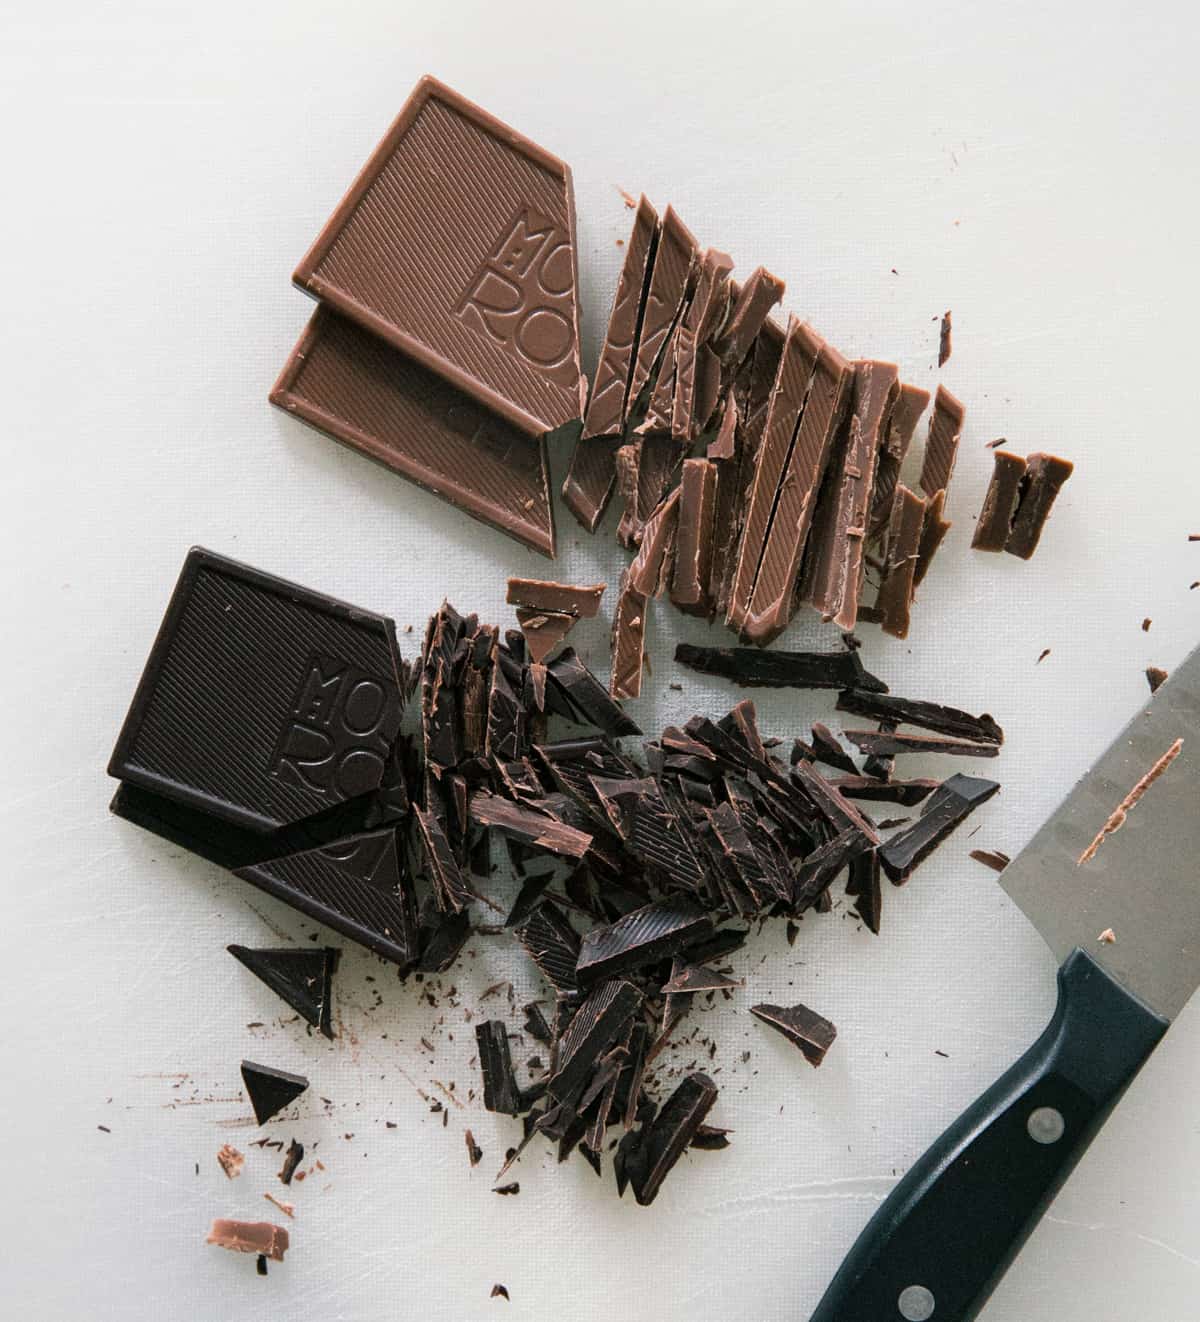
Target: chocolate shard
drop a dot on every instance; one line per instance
(355, 885)
(933, 532)
(750, 310)
(905, 792)
(999, 502)
(888, 743)
(450, 887)
(996, 859)
(443, 936)
(528, 825)
(588, 696)
(270, 1090)
(261, 1237)
(628, 462)
(628, 640)
(1043, 480)
(773, 600)
(600, 1021)
(945, 339)
(694, 537)
(650, 572)
(543, 631)
(501, 1092)
(669, 1135)
(897, 436)
(643, 937)
(660, 837)
(892, 710)
(903, 547)
(706, 309)
(828, 803)
(826, 749)
(552, 943)
(356, 389)
(834, 563)
(801, 1026)
(941, 445)
(864, 887)
(582, 602)
(291, 1161)
(591, 479)
(946, 809)
(742, 857)
(303, 978)
(292, 699)
(710, 1138)
(689, 978)
(724, 444)
(669, 275)
(456, 245)
(505, 716)
(754, 668)
(535, 1023)
(819, 870)
(1156, 677)
(608, 404)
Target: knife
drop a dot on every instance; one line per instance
(937, 1246)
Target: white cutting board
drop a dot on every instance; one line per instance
(167, 165)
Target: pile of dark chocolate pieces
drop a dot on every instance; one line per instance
(267, 735)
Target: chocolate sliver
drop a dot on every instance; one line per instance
(670, 1134)
(694, 537)
(825, 748)
(270, 1090)
(890, 709)
(601, 1020)
(888, 743)
(450, 888)
(903, 547)
(552, 943)
(893, 447)
(933, 532)
(591, 478)
(673, 260)
(650, 571)
(697, 978)
(628, 640)
(754, 668)
(261, 1237)
(905, 792)
(501, 1092)
(695, 327)
(583, 601)
(801, 1026)
(941, 445)
(588, 696)
(642, 937)
(750, 310)
(528, 826)
(544, 631)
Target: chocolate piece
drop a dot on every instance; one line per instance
(643, 937)
(673, 260)
(500, 1090)
(261, 1237)
(505, 719)
(260, 1265)
(456, 245)
(892, 710)
(474, 1151)
(608, 404)
(933, 531)
(660, 406)
(945, 339)
(552, 943)
(660, 836)
(941, 445)
(754, 302)
(754, 668)
(801, 349)
(834, 559)
(995, 859)
(801, 1026)
(347, 383)
(628, 465)
(507, 1189)
(590, 479)
(826, 801)
(710, 1138)
(270, 1090)
(602, 1019)
(667, 1138)
(694, 537)
(825, 748)
(499, 1291)
(905, 792)
(897, 437)
(291, 1160)
(1120, 814)
(561, 598)
(450, 888)
(999, 503)
(690, 978)
(262, 703)
(743, 858)
(528, 826)
(863, 886)
(696, 326)
(1156, 676)
(819, 870)
(303, 978)
(442, 940)
(588, 696)
(888, 743)
(230, 1161)
(723, 444)
(903, 547)
(1044, 478)
(650, 571)
(543, 631)
(950, 805)
(535, 1023)
(628, 640)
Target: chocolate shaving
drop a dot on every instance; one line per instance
(291, 1160)
(995, 859)
(754, 668)
(893, 710)
(1117, 817)
(888, 743)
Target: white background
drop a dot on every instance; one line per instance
(1031, 166)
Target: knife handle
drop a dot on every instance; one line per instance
(942, 1239)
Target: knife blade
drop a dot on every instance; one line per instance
(1120, 855)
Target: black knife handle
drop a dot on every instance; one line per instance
(936, 1248)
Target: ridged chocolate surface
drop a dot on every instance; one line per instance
(640, 938)
(591, 478)
(670, 1134)
(600, 1021)
(552, 944)
(668, 282)
(897, 437)
(628, 640)
(941, 445)
(694, 536)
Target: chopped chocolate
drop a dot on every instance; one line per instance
(1042, 655)
(1108, 937)
(442, 939)
(474, 1151)
(270, 1090)
(995, 859)
(260, 1265)
(903, 549)
(688, 978)
(303, 978)
(609, 400)
(1043, 480)
(501, 1093)
(552, 943)
(905, 792)
(667, 1137)
(528, 826)
(230, 1161)
(507, 1189)
(694, 537)
(945, 339)
(261, 1237)
(945, 810)
(590, 480)
(450, 888)
(602, 1020)
(941, 445)
(933, 532)
(892, 710)
(755, 668)
(628, 464)
(628, 640)
(588, 696)
(888, 743)
(560, 598)
(897, 437)
(672, 266)
(643, 937)
(999, 502)
(473, 274)
(863, 886)
(750, 310)
(710, 1138)
(825, 748)
(828, 803)
(801, 1026)
(543, 631)
(696, 386)
(650, 572)
(819, 870)
(1156, 676)
(505, 717)
(291, 1159)
(499, 1291)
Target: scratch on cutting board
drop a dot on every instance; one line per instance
(1129, 1234)
(872, 1187)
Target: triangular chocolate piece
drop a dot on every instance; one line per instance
(304, 978)
(543, 630)
(270, 1090)
(696, 978)
(801, 1026)
(456, 245)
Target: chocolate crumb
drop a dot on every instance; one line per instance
(499, 1291)
(104, 1129)
(996, 859)
(474, 1151)
(231, 1161)
(292, 1159)
(261, 1265)
(1043, 656)
(1155, 677)
(945, 345)
(1146, 624)
(997, 443)
(943, 1054)
(507, 1189)
(1108, 937)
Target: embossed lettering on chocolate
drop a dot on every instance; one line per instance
(456, 244)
